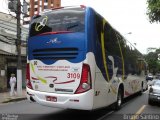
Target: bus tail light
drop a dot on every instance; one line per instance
(85, 83)
(28, 82)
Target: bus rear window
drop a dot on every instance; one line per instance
(71, 20)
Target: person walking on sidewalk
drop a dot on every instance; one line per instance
(12, 84)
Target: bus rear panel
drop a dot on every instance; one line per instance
(57, 74)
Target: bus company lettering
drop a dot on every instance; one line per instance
(53, 68)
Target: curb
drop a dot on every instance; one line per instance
(14, 100)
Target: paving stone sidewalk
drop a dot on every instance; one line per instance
(5, 97)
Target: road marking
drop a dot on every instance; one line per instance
(123, 105)
(138, 113)
(101, 118)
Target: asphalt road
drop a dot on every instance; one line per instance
(25, 110)
(135, 107)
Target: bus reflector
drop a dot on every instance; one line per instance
(28, 82)
(85, 83)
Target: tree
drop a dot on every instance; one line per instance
(153, 11)
(153, 63)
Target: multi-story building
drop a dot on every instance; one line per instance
(8, 50)
(34, 7)
(8, 31)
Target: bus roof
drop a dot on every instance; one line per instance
(65, 7)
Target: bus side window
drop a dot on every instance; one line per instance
(99, 25)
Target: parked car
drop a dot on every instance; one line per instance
(154, 92)
(149, 77)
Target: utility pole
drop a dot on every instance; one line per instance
(18, 45)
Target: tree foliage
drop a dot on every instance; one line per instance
(152, 60)
(153, 11)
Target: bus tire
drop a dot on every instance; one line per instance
(118, 103)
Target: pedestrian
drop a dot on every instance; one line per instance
(12, 84)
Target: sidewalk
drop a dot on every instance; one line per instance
(5, 97)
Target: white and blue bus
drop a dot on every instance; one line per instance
(77, 60)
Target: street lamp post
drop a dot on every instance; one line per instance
(18, 45)
(129, 33)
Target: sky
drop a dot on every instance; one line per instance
(129, 18)
(126, 16)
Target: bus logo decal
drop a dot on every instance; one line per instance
(54, 41)
(39, 26)
(51, 85)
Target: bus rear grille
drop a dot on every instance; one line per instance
(55, 53)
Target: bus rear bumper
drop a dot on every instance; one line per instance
(83, 101)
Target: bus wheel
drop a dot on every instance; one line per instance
(119, 101)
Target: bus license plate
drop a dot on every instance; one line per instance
(51, 98)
